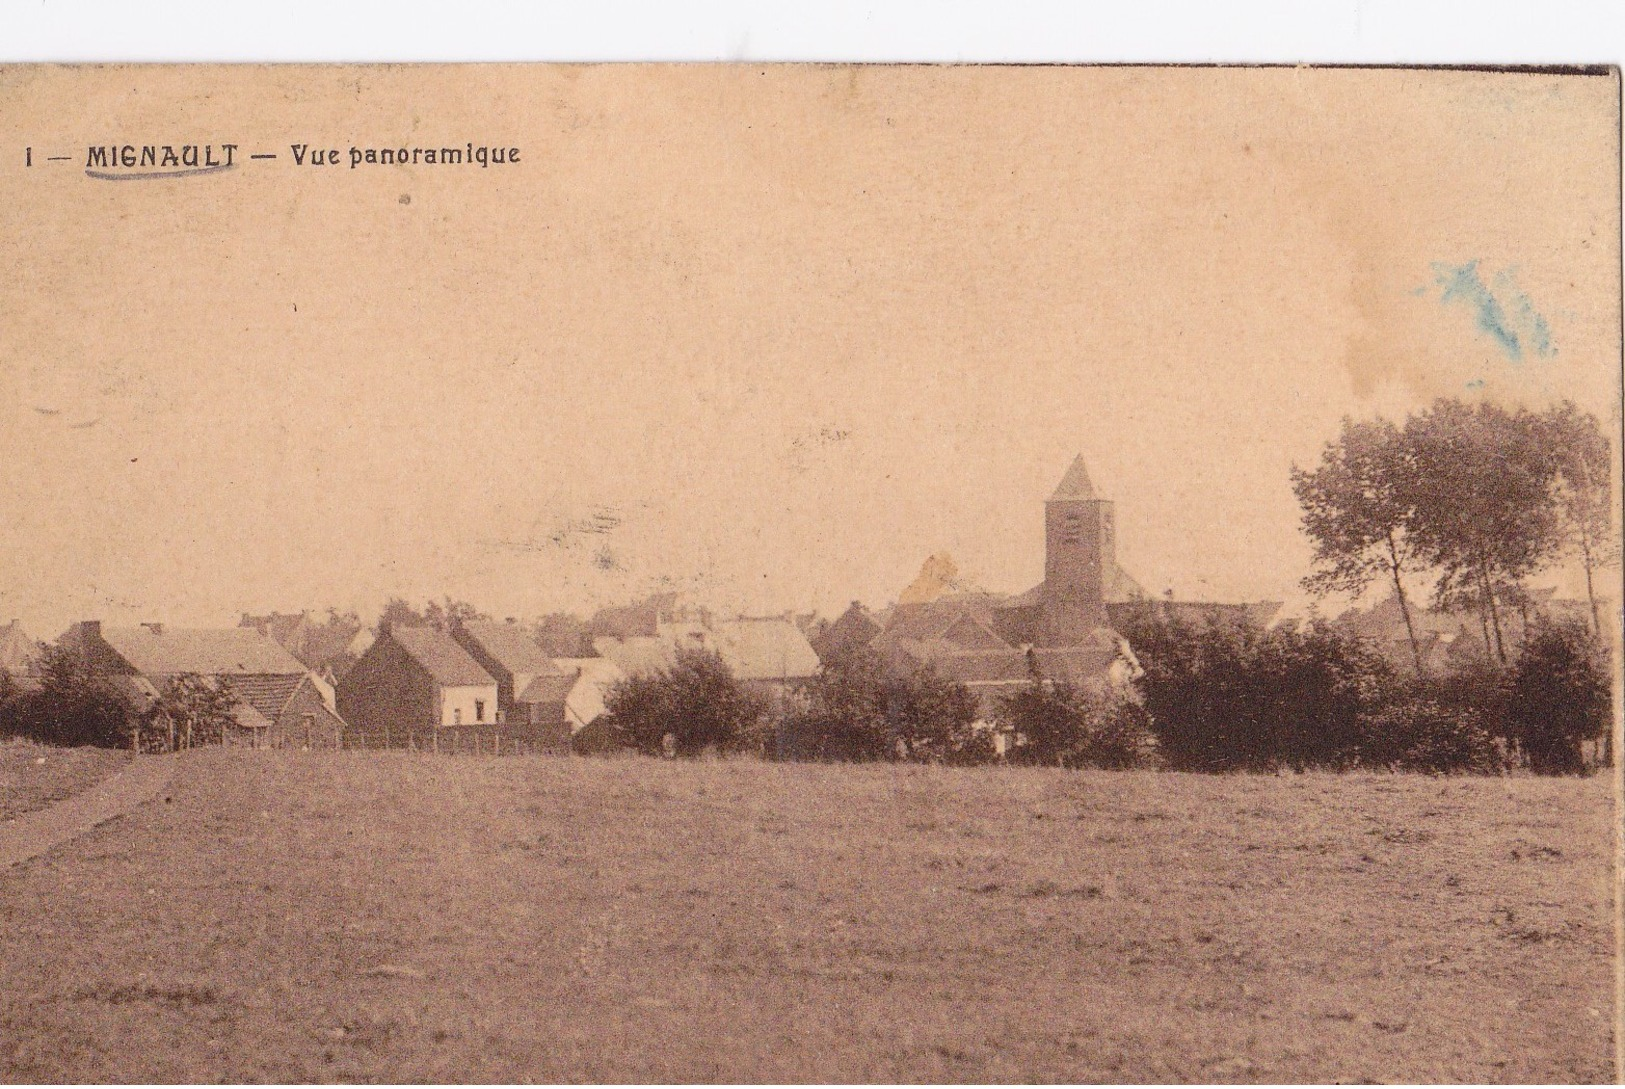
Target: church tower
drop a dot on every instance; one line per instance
(1080, 550)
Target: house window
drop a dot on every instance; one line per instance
(479, 710)
(1074, 528)
(456, 716)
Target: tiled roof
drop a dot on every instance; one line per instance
(925, 619)
(639, 619)
(852, 630)
(266, 693)
(439, 654)
(1074, 665)
(164, 651)
(511, 646)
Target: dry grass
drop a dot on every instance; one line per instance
(33, 776)
(362, 917)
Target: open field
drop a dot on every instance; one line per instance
(381, 916)
(33, 776)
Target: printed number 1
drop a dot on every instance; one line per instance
(30, 152)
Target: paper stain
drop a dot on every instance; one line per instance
(806, 448)
(1499, 309)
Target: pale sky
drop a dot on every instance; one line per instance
(773, 335)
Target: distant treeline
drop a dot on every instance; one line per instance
(1217, 695)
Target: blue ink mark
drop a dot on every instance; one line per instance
(1477, 383)
(1505, 313)
(1536, 332)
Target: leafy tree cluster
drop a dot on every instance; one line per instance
(856, 710)
(190, 711)
(1478, 497)
(70, 704)
(693, 706)
(442, 614)
(1231, 696)
(1069, 726)
(1559, 696)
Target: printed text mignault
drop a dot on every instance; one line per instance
(158, 156)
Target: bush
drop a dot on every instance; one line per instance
(695, 705)
(1414, 733)
(1066, 726)
(600, 737)
(1559, 694)
(855, 710)
(71, 705)
(1228, 695)
(933, 719)
(840, 716)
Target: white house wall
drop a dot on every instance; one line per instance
(461, 698)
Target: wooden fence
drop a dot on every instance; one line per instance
(452, 741)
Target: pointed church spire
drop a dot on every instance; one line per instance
(1075, 484)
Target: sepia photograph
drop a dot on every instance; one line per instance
(810, 573)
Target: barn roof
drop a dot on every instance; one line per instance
(548, 688)
(767, 648)
(440, 656)
(638, 654)
(159, 650)
(511, 646)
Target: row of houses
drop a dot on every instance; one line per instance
(473, 681)
(333, 683)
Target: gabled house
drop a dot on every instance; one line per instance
(531, 687)
(279, 704)
(17, 650)
(594, 677)
(291, 631)
(411, 685)
(848, 634)
(325, 648)
(769, 654)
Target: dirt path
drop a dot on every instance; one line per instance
(32, 834)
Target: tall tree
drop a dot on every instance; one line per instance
(1358, 506)
(1581, 491)
(1483, 511)
(441, 614)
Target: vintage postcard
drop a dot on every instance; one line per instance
(809, 573)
